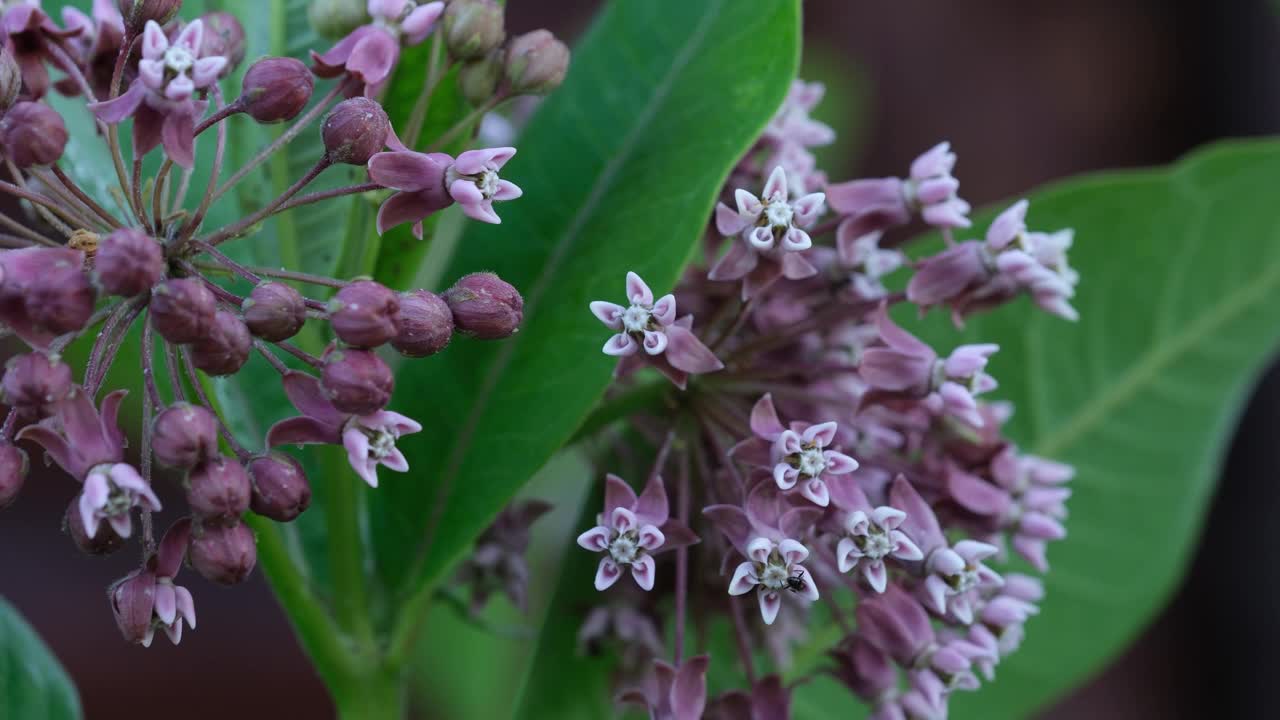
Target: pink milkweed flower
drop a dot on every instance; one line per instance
(370, 440)
(89, 445)
(473, 181)
(148, 599)
(370, 52)
(907, 365)
(771, 569)
(769, 235)
(27, 31)
(668, 343)
(419, 179)
(160, 100)
(871, 539)
(96, 45)
(796, 455)
(792, 123)
(631, 530)
(671, 693)
(881, 203)
(769, 700)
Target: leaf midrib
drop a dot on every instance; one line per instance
(534, 296)
(1161, 355)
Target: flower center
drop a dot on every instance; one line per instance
(965, 580)
(636, 318)
(875, 545)
(779, 214)
(812, 462)
(118, 501)
(625, 548)
(488, 184)
(178, 59)
(774, 575)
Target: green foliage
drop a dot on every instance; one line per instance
(33, 686)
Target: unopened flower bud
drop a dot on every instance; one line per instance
(472, 28)
(355, 130)
(128, 262)
(536, 62)
(182, 310)
(10, 80)
(35, 383)
(223, 37)
(184, 435)
(225, 349)
(61, 298)
(335, 18)
(136, 13)
(218, 490)
(104, 542)
(356, 381)
(274, 311)
(280, 488)
(365, 314)
(13, 473)
(32, 133)
(133, 602)
(276, 89)
(485, 306)
(223, 554)
(426, 324)
(478, 79)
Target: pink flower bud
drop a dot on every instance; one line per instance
(218, 490)
(223, 37)
(104, 542)
(426, 324)
(32, 134)
(35, 383)
(485, 306)
(133, 602)
(276, 89)
(365, 314)
(182, 310)
(10, 80)
(61, 297)
(355, 130)
(184, 435)
(128, 262)
(225, 349)
(356, 381)
(136, 13)
(536, 62)
(478, 79)
(13, 473)
(274, 311)
(472, 28)
(280, 488)
(224, 554)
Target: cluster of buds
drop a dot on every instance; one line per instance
(821, 451)
(74, 265)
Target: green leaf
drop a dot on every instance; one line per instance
(620, 169)
(1180, 278)
(33, 686)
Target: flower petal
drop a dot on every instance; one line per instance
(770, 603)
(596, 539)
(607, 574)
(744, 578)
(644, 570)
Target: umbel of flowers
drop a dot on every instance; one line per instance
(812, 451)
(74, 264)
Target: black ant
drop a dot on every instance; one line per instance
(796, 583)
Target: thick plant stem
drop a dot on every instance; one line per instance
(376, 695)
(346, 551)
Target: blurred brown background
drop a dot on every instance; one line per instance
(1027, 91)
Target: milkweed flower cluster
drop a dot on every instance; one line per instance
(80, 264)
(817, 451)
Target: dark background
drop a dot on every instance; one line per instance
(1027, 91)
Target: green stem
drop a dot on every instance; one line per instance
(375, 695)
(346, 550)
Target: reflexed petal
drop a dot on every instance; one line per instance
(186, 606)
(654, 342)
(839, 463)
(686, 352)
(407, 170)
(792, 551)
(166, 602)
(759, 549)
(178, 136)
(744, 578)
(665, 309)
(596, 539)
(764, 419)
(404, 207)
(736, 263)
(816, 491)
(651, 538)
(638, 291)
(607, 574)
(822, 434)
(643, 570)
(770, 603)
(876, 574)
(301, 431)
(373, 56)
(728, 221)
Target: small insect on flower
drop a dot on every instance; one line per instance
(796, 583)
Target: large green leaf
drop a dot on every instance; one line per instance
(1180, 280)
(619, 168)
(33, 686)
